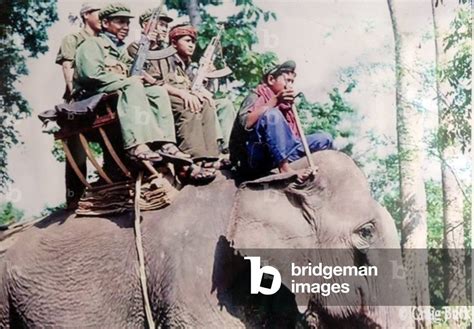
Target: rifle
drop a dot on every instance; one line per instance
(144, 43)
(205, 62)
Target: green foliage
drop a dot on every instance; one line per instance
(23, 34)
(434, 203)
(238, 39)
(48, 210)
(438, 260)
(316, 116)
(326, 117)
(383, 174)
(181, 5)
(434, 208)
(58, 152)
(457, 73)
(9, 213)
(467, 215)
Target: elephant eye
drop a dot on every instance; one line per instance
(367, 232)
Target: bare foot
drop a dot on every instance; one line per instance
(303, 174)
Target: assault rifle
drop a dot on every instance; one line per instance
(144, 43)
(205, 62)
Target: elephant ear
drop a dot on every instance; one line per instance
(274, 212)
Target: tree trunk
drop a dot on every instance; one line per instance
(408, 33)
(193, 13)
(455, 272)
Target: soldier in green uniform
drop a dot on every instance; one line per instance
(89, 14)
(90, 18)
(158, 47)
(144, 110)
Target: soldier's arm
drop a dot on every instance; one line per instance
(65, 58)
(286, 95)
(68, 73)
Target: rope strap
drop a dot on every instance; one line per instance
(141, 258)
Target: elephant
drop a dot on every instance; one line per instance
(83, 271)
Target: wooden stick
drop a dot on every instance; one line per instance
(114, 154)
(85, 146)
(74, 165)
(303, 138)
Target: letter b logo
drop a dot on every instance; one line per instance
(256, 276)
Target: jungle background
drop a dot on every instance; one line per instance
(390, 80)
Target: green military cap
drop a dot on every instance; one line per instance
(147, 14)
(285, 67)
(88, 7)
(115, 10)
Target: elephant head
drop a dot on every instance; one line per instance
(330, 218)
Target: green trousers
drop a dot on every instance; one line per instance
(145, 114)
(195, 132)
(225, 116)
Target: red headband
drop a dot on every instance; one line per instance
(182, 31)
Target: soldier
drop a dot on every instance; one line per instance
(90, 18)
(159, 36)
(89, 14)
(193, 112)
(145, 114)
(158, 39)
(265, 134)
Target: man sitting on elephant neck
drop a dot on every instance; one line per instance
(265, 135)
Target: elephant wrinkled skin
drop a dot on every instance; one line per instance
(69, 271)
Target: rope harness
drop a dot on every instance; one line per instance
(141, 258)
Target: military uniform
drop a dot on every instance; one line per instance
(144, 112)
(69, 45)
(226, 113)
(196, 132)
(67, 53)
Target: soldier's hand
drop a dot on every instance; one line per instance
(191, 102)
(205, 94)
(286, 96)
(196, 105)
(153, 35)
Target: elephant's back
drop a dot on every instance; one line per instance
(72, 263)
